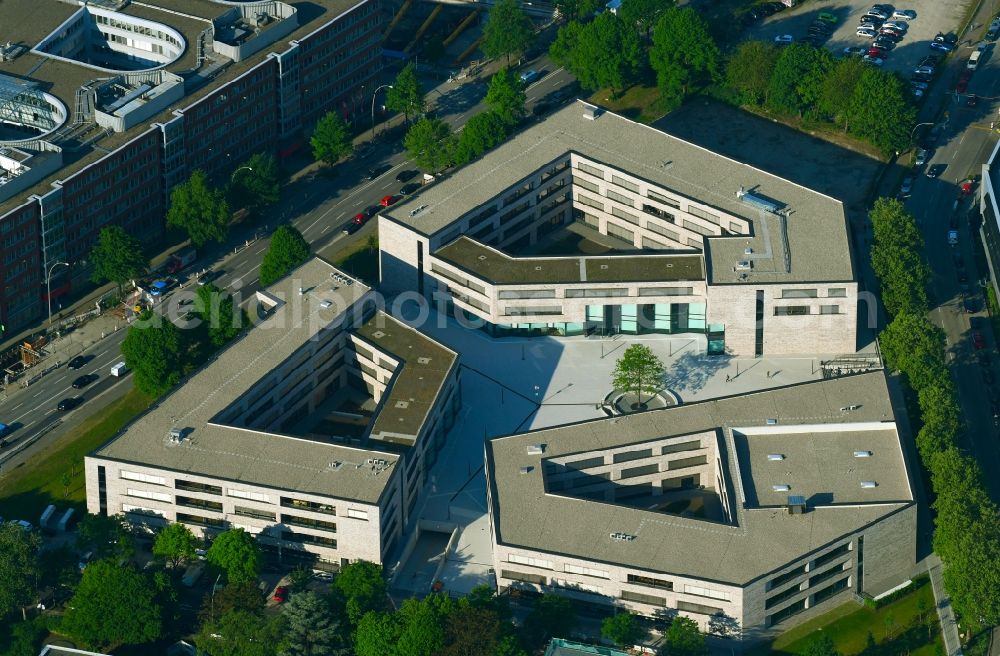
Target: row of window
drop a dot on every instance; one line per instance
(804, 310)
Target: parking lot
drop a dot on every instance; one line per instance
(933, 16)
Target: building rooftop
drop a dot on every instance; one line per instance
(211, 448)
(417, 381)
(812, 423)
(810, 245)
(27, 22)
(560, 647)
(500, 268)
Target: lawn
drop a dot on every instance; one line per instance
(639, 102)
(359, 260)
(56, 476)
(897, 627)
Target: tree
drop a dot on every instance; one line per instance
(376, 635)
(19, 569)
(643, 13)
(218, 309)
(684, 639)
(239, 633)
(429, 144)
(362, 587)
(405, 95)
(750, 68)
(175, 544)
(638, 371)
(117, 257)
(575, 10)
(331, 139)
(683, 53)
(838, 88)
(821, 645)
(255, 184)
(107, 537)
(621, 629)
(603, 53)
(797, 81)
(508, 30)
(198, 209)
(421, 631)
(26, 638)
(723, 625)
(505, 97)
(880, 111)
(472, 631)
(154, 351)
(236, 552)
(243, 596)
(113, 605)
(896, 257)
(311, 629)
(288, 249)
(482, 132)
(552, 616)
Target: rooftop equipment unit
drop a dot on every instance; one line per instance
(862, 454)
(758, 202)
(781, 487)
(868, 485)
(796, 504)
(536, 449)
(776, 457)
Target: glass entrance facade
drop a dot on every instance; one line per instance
(645, 319)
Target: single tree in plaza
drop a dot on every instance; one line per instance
(236, 552)
(508, 30)
(200, 210)
(684, 639)
(331, 139)
(405, 94)
(117, 257)
(175, 544)
(288, 249)
(638, 371)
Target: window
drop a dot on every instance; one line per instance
(622, 214)
(682, 463)
(592, 170)
(588, 185)
(189, 502)
(625, 200)
(304, 538)
(622, 182)
(832, 555)
(253, 496)
(145, 478)
(682, 446)
(197, 520)
(666, 291)
(586, 200)
(289, 502)
(799, 293)
(254, 513)
(522, 576)
(703, 214)
(573, 585)
(628, 595)
(785, 613)
(650, 582)
(642, 470)
(595, 293)
(828, 574)
(837, 292)
(139, 510)
(781, 579)
(791, 311)
(829, 309)
(706, 592)
(774, 600)
(586, 463)
(191, 486)
(660, 198)
(528, 560)
(586, 571)
(143, 494)
(527, 293)
(626, 456)
(357, 514)
(697, 608)
(304, 522)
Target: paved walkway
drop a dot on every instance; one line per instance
(949, 625)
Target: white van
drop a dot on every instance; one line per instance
(974, 60)
(119, 369)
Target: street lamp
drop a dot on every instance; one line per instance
(917, 126)
(375, 93)
(232, 178)
(48, 286)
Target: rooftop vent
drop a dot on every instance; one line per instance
(423, 360)
(849, 407)
(776, 457)
(622, 537)
(781, 487)
(744, 265)
(771, 421)
(868, 485)
(482, 258)
(748, 251)
(402, 405)
(862, 454)
(591, 112)
(176, 435)
(378, 334)
(325, 304)
(525, 470)
(302, 291)
(536, 449)
(796, 504)
(758, 202)
(378, 462)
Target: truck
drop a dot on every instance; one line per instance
(181, 259)
(118, 370)
(973, 62)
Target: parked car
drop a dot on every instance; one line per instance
(978, 342)
(953, 237)
(866, 32)
(854, 50)
(917, 84)
(971, 100)
(924, 70)
(870, 20)
(529, 76)
(387, 201)
(784, 39)
(209, 276)
(77, 362)
(874, 61)
(408, 189)
(963, 85)
(884, 43)
(906, 187)
(876, 51)
(360, 218)
(940, 45)
(406, 175)
(904, 14)
(899, 26)
(280, 594)
(936, 170)
(351, 227)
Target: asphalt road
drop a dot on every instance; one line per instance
(319, 204)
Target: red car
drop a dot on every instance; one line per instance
(280, 594)
(387, 201)
(876, 52)
(978, 341)
(962, 86)
(360, 218)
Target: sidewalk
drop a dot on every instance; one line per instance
(949, 625)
